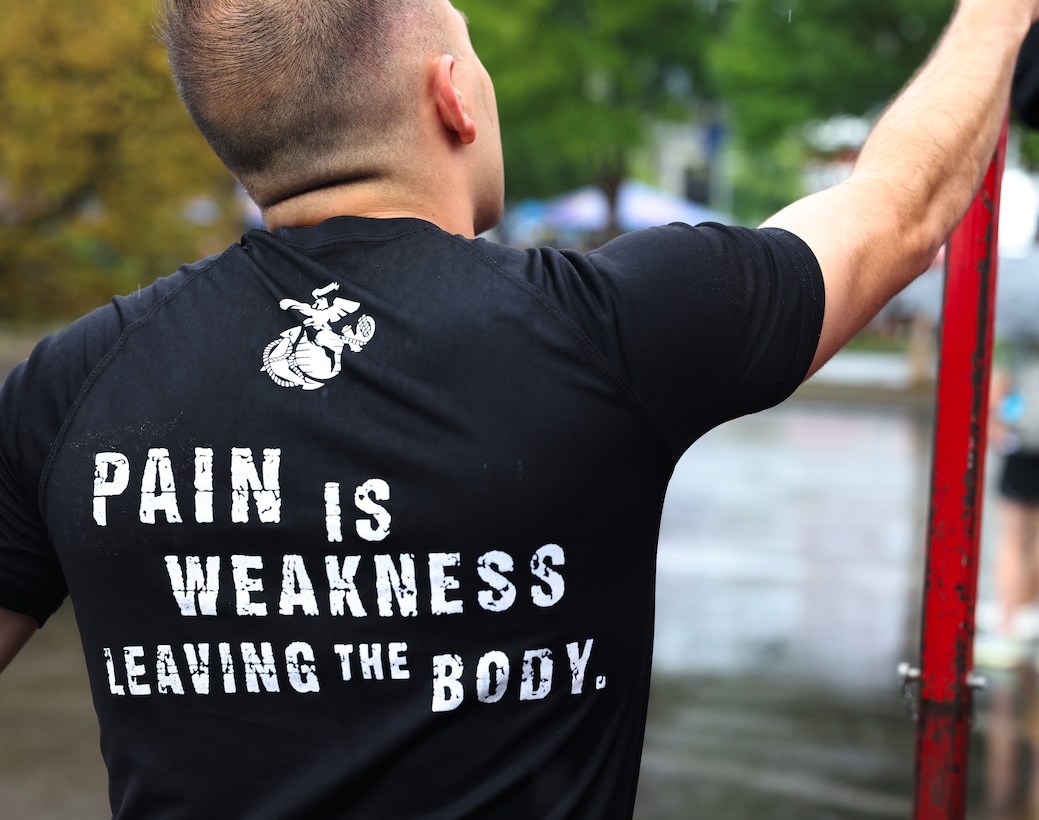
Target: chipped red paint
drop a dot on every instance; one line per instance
(956, 495)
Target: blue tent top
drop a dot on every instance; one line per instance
(638, 206)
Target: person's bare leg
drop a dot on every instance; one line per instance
(1014, 573)
(1031, 542)
(1001, 753)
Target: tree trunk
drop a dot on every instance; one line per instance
(610, 179)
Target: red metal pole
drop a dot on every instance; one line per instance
(946, 669)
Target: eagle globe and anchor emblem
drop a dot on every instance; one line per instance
(310, 355)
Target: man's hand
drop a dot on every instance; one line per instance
(15, 631)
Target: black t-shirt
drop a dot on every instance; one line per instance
(360, 520)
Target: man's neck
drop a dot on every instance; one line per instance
(372, 201)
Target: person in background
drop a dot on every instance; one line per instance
(1007, 630)
(1007, 626)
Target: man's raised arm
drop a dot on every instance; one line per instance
(15, 631)
(917, 172)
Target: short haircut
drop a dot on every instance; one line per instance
(293, 95)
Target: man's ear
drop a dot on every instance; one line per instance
(450, 104)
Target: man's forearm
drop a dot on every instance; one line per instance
(917, 172)
(935, 141)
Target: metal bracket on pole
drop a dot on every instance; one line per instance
(910, 677)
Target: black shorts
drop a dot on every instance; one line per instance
(1020, 478)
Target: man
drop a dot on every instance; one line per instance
(423, 586)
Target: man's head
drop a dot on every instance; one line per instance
(302, 95)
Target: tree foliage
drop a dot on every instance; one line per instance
(782, 63)
(579, 82)
(103, 179)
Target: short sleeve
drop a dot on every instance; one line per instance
(31, 581)
(705, 323)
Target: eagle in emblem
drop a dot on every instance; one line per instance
(310, 355)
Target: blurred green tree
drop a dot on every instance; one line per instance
(580, 83)
(781, 64)
(104, 183)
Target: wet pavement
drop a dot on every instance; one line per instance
(790, 564)
(790, 570)
(50, 765)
